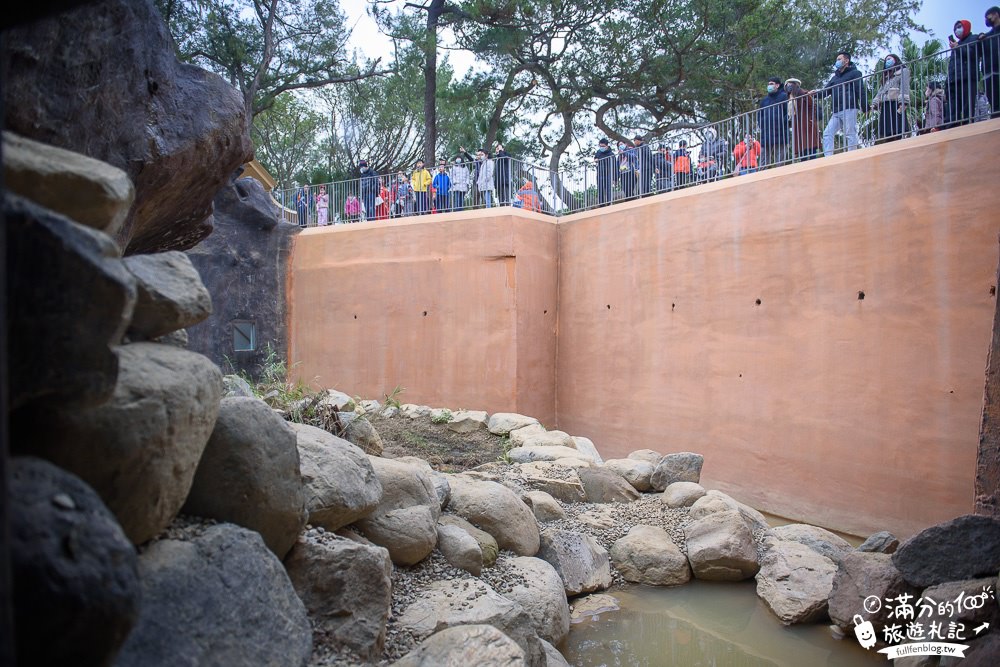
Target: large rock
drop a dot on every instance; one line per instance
(545, 507)
(860, 575)
(503, 423)
(171, 295)
(139, 450)
(720, 547)
(176, 130)
(528, 454)
(681, 467)
(405, 484)
(347, 589)
(648, 455)
(717, 501)
(249, 474)
(74, 573)
(636, 472)
(795, 581)
(583, 565)
(234, 385)
(442, 487)
(606, 486)
(559, 481)
(519, 436)
(881, 542)
(244, 264)
(459, 548)
(682, 494)
(359, 431)
(86, 190)
(464, 645)
(340, 482)
(487, 543)
(963, 548)
(978, 602)
(221, 598)
(647, 555)
(539, 589)
(497, 510)
(553, 658)
(467, 421)
(409, 533)
(446, 604)
(523, 438)
(586, 447)
(71, 298)
(820, 540)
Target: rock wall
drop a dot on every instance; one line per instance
(244, 264)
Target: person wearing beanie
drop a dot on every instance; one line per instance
(772, 121)
(962, 75)
(604, 158)
(990, 50)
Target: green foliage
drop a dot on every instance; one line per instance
(443, 418)
(288, 138)
(391, 399)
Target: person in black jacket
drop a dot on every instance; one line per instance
(990, 53)
(772, 119)
(644, 157)
(370, 185)
(605, 160)
(502, 161)
(963, 75)
(846, 91)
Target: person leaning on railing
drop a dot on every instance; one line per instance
(772, 120)
(604, 158)
(663, 169)
(502, 164)
(484, 177)
(892, 99)
(442, 187)
(644, 159)
(746, 153)
(420, 179)
(847, 96)
(461, 181)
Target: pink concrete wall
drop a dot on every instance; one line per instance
(855, 414)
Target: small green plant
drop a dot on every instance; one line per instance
(442, 417)
(505, 448)
(390, 398)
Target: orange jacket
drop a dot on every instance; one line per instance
(746, 157)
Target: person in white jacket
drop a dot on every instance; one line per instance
(461, 181)
(484, 177)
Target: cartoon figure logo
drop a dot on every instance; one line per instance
(865, 631)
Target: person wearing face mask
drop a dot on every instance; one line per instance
(772, 119)
(370, 185)
(802, 112)
(989, 48)
(962, 76)
(484, 177)
(892, 99)
(846, 91)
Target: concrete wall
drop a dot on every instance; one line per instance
(813, 404)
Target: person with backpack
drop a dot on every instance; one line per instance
(846, 91)
(420, 179)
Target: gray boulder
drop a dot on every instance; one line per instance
(222, 598)
(820, 540)
(459, 548)
(648, 455)
(503, 423)
(139, 450)
(177, 130)
(545, 507)
(682, 494)
(603, 485)
(468, 421)
(880, 542)
(74, 573)
(442, 487)
(795, 581)
(557, 480)
(409, 533)
(635, 471)
(249, 474)
(340, 482)
(71, 298)
(347, 589)
(171, 295)
(647, 555)
(681, 467)
(234, 385)
(359, 431)
(582, 563)
(539, 589)
(487, 543)
(529, 453)
(717, 501)
(860, 575)
(464, 645)
(720, 547)
(587, 447)
(497, 510)
(964, 548)
(979, 602)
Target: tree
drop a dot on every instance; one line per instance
(266, 47)
(288, 137)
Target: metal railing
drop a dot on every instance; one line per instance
(899, 100)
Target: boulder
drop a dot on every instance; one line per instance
(648, 455)
(139, 450)
(177, 130)
(606, 486)
(250, 475)
(390, 411)
(820, 540)
(459, 548)
(545, 507)
(557, 480)
(881, 542)
(467, 421)
(636, 472)
(682, 467)
(171, 295)
(340, 482)
(72, 299)
(414, 411)
(74, 573)
(487, 543)
(592, 606)
(442, 487)
(972, 602)
(647, 555)
(359, 431)
(409, 533)
(371, 406)
(582, 563)
(346, 588)
(795, 581)
(464, 645)
(553, 658)
(597, 519)
(586, 446)
(335, 401)
(503, 423)
(519, 435)
(450, 603)
(177, 338)
(91, 192)
(542, 438)
(964, 548)
(222, 598)
(538, 588)
(716, 501)
(405, 484)
(682, 494)
(440, 415)
(860, 575)
(721, 548)
(544, 453)
(234, 385)
(497, 510)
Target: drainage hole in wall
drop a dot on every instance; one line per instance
(545, 312)
(355, 317)
(861, 295)
(425, 313)
(741, 374)
(609, 306)
(757, 302)
(672, 306)
(993, 290)
(952, 391)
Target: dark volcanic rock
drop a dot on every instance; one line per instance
(75, 574)
(220, 599)
(103, 80)
(963, 548)
(244, 265)
(71, 298)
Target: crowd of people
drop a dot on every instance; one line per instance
(791, 123)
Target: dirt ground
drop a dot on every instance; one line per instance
(444, 449)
